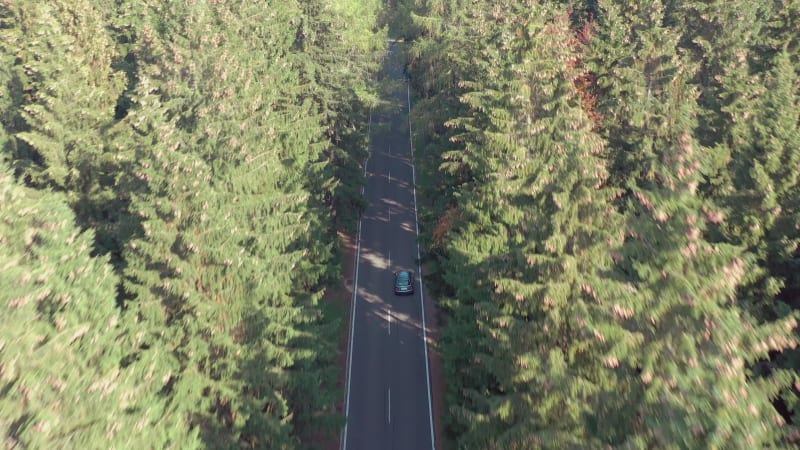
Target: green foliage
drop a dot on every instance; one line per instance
(59, 346)
(761, 178)
(527, 272)
(64, 94)
(340, 54)
(610, 188)
(582, 229)
(232, 252)
(695, 345)
(213, 148)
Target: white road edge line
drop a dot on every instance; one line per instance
(389, 319)
(343, 444)
(419, 266)
(389, 407)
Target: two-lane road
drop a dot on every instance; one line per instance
(388, 403)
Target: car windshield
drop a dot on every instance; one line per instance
(403, 278)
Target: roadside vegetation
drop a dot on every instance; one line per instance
(613, 219)
(173, 176)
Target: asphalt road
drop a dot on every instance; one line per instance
(388, 392)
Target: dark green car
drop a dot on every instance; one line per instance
(403, 282)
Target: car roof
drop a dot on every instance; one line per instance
(403, 274)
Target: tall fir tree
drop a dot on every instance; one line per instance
(67, 92)
(62, 383)
(718, 36)
(211, 142)
(228, 270)
(695, 344)
(339, 53)
(551, 305)
(530, 324)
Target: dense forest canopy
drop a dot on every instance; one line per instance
(609, 203)
(173, 176)
(613, 211)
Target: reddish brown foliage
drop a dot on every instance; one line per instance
(586, 82)
(444, 225)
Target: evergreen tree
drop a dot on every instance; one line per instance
(526, 343)
(550, 309)
(339, 55)
(761, 202)
(442, 57)
(695, 346)
(633, 59)
(779, 31)
(67, 94)
(761, 195)
(718, 36)
(62, 383)
(234, 249)
(212, 142)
